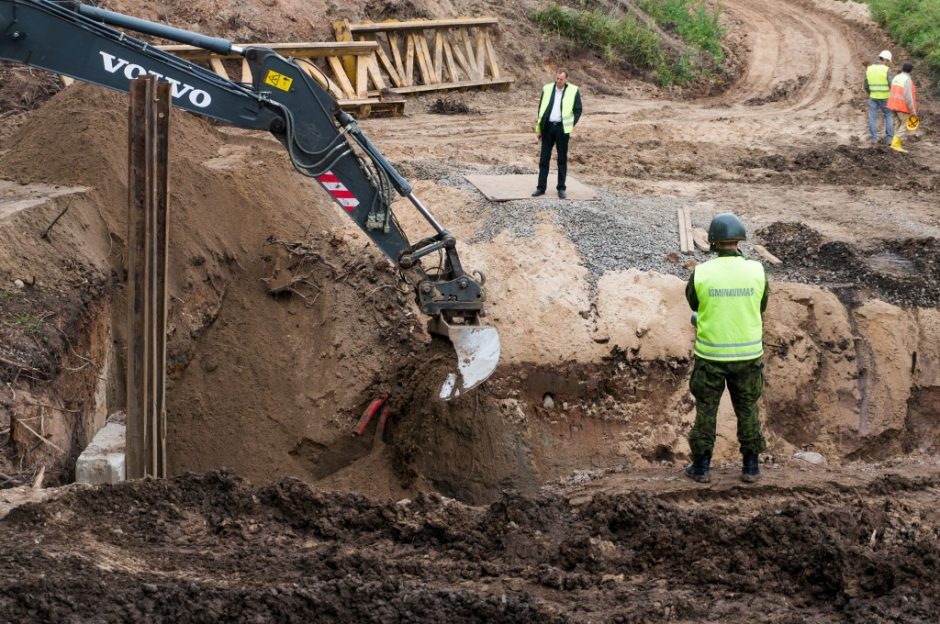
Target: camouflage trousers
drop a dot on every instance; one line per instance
(745, 381)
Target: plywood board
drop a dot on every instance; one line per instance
(510, 187)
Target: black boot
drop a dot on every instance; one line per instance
(750, 468)
(699, 469)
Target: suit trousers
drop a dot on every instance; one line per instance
(553, 136)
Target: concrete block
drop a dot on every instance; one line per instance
(103, 460)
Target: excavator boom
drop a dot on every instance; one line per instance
(323, 142)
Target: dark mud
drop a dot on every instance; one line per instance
(451, 106)
(846, 164)
(905, 272)
(463, 448)
(211, 548)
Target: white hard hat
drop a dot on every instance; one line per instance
(885, 54)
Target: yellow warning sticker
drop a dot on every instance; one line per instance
(278, 81)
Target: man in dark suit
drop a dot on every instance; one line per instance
(559, 112)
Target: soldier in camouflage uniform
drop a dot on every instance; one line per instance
(728, 295)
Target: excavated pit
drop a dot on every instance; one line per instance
(551, 493)
(285, 323)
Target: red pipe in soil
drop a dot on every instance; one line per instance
(369, 414)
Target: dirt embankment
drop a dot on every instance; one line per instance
(236, 208)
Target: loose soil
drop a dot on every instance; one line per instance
(212, 548)
(552, 492)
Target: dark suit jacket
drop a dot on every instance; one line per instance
(551, 102)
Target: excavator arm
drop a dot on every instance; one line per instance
(323, 142)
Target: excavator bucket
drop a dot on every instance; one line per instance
(477, 349)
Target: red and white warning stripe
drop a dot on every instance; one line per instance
(338, 190)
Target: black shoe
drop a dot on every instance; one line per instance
(700, 470)
(750, 468)
(562, 194)
(537, 192)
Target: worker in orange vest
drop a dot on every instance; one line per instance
(903, 101)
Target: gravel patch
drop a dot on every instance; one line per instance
(614, 232)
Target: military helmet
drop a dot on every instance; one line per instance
(725, 227)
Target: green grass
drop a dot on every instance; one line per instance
(627, 41)
(691, 20)
(913, 23)
(621, 40)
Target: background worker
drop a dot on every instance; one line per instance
(729, 294)
(559, 112)
(878, 87)
(903, 102)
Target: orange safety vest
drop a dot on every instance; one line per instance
(896, 101)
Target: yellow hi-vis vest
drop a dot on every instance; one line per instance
(729, 326)
(878, 87)
(567, 106)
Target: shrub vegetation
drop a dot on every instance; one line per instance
(913, 23)
(630, 41)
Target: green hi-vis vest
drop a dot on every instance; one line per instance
(729, 326)
(567, 106)
(878, 87)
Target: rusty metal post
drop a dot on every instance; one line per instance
(160, 252)
(147, 269)
(140, 197)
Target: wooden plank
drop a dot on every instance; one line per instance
(471, 57)
(362, 75)
(313, 49)
(339, 73)
(444, 86)
(429, 58)
(700, 238)
(683, 232)
(424, 58)
(461, 59)
(396, 54)
(438, 56)
(390, 26)
(409, 59)
(246, 72)
(449, 59)
(389, 67)
(375, 74)
(491, 57)
(350, 63)
(688, 229)
(341, 30)
(317, 74)
(766, 255)
(218, 67)
(481, 52)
